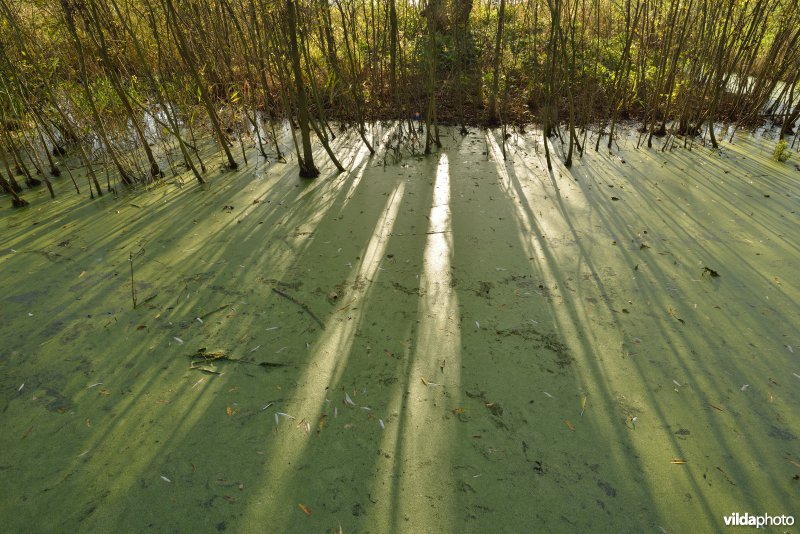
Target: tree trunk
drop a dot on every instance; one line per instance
(498, 54)
(307, 167)
(186, 54)
(9, 188)
(102, 134)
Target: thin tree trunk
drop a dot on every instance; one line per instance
(498, 51)
(186, 54)
(307, 167)
(103, 135)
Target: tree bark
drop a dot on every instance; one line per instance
(307, 167)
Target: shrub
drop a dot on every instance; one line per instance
(781, 152)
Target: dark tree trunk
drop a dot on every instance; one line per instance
(307, 167)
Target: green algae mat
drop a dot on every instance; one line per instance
(450, 343)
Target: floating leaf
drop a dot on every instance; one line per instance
(306, 510)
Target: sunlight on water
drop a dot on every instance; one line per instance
(426, 440)
(329, 359)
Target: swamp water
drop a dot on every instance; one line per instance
(448, 344)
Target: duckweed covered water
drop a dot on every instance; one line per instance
(453, 343)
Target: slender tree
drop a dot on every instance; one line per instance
(306, 162)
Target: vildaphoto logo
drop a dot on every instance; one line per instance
(764, 520)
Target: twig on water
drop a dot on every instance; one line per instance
(303, 306)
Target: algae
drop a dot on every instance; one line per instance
(453, 344)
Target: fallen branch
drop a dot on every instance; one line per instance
(203, 360)
(203, 317)
(305, 308)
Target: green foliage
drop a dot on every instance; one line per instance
(104, 95)
(782, 151)
(645, 59)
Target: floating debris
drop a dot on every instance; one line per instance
(306, 510)
(546, 393)
(199, 320)
(20, 388)
(744, 387)
(678, 461)
(347, 400)
(179, 340)
(278, 416)
(380, 422)
(165, 479)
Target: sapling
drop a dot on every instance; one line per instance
(131, 257)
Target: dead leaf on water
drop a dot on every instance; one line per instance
(209, 368)
(306, 510)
